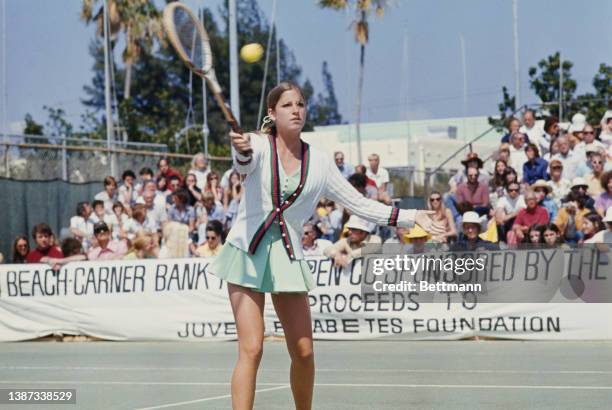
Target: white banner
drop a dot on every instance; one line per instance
(178, 300)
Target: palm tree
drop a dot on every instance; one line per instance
(363, 9)
(140, 22)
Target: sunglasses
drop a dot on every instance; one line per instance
(513, 190)
(438, 199)
(588, 132)
(308, 232)
(211, 238)
(597, 162)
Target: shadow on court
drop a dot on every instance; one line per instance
(350, 375)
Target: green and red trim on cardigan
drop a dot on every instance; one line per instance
(279, 206)
(392, 221)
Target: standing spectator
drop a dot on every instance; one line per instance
(513, 125)
(195, 193)
(212, 185)
(377, 173)
(542, 190)
(127, 191)
(445, 216)
(604, 200)
(181, 211)
(604, 236)
(345, 169)
(508, 208)
(212, 243)
(43, 235)
(106, 248)
(80, 225)
(530, 128)
(474, 192)
(606, 128)
(533, 214)
(199, 168)
(175, 241)
(593, 178)
(346, 249)
(560, 186)
(109, 195)
(21, 248)
(312, 244)
(165, 171)
(535, 168)
(567, 157)
(551, 132)
(518, 157)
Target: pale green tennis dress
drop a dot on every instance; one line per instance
(269, 269)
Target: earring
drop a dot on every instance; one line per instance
(267, 120)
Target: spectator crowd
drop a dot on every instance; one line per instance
(544, 186)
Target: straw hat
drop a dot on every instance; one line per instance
(540, 183)
(415, 233)
(472, 156)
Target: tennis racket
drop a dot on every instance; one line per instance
(190, 41)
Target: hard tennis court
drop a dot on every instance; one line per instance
(351, 375)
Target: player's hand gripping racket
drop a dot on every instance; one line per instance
(190, 40)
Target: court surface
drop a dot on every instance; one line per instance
(350, 375)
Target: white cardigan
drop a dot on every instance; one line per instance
(319, 177)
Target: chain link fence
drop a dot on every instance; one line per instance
(39, 158)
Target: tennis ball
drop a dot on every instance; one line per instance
(251, 53)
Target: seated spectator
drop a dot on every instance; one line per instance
(606, 128)
(579, 187)
(591, 225)
(175, 242)
(471, 161)
(589, 141)
(542, 190)
(165, 172)
(195, 193)
(80, 225)
(371, 188)
(359, 182)
(346, 249)
(127, 192)
(498, 181)
(567, 157)
(603, 236)
(474, 192)
(554, 150)
(109, 195)
(175, 186)
(512, 125)
(552, 235)
(508, 208)
(213, 186)
(518, 157)
(181, 211)
(551, 132)
(511, 176)
(560, 187)
(116, 221)
(43, 235)
(137, 222)
(312, 244)
(400, 236)
(21, 248)
(471, 229)
(533, 214)
(159, 198)
(72, 250)
(212, 242)
(534, 235)
(146, 174)
(570, 217)
(209, 209)
(199, 168)
(593, 178)
(156, 214)
(535, 168)
(417, 237)
(233, 192)
(99, 212)
(443, 215)
(143, 247)
(377, 173)
(530, 128)
(604, 200)
(106, 248)
(330, 224)
(345, 169)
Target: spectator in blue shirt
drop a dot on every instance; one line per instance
(345, 169)
(535, 168)
(181, 211)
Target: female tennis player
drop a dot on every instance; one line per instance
(285, 178)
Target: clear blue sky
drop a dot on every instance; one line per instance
(48, 61)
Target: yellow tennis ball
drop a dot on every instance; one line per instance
(251, 53)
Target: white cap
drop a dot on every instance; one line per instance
(579, 181)
(578, 123)
(471, 217)
(356, 222)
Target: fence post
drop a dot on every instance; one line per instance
(64, 160)
(7, 169)
(427, 182)
(411, 169)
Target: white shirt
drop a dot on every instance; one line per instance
(510, 205)
(534, 133)
(559, 189)
(318, 248)
(108, 201)
(200, 177)
(570, 164)
(518, 157)
(159, 200)
(78, 222)
(381, 177)
(601, 237)
(132, 226)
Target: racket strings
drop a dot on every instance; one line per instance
(190, 38)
